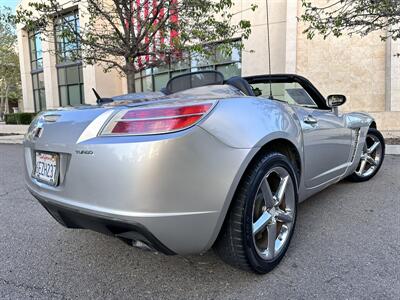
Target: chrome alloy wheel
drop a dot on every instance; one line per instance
(273, 213)
(370, 157)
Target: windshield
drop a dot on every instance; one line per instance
(292, 92)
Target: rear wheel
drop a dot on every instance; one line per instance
(259, 226)
(371, 157)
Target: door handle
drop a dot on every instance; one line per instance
(310, 120)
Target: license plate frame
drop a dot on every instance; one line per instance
(49, 180)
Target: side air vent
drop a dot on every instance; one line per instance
(355, 142)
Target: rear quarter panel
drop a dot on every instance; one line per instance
(250, 123)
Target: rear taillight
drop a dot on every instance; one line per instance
(155, 120)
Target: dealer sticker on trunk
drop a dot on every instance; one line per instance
(46, 168)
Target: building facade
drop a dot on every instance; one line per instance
(366, 70)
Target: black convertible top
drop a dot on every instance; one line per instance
(198, 79)
(192, 80)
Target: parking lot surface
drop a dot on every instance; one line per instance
(346, 245)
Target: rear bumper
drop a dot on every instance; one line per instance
(178, 187)
(73, 218)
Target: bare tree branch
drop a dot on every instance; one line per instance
(352, 17)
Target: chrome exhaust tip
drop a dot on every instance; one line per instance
(141, 245)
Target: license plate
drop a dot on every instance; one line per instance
(46, 168)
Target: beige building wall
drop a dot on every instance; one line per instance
(255, 53)
(393, 75)
(50, 74)
(25, 67)
(351, 66)
(365, 69)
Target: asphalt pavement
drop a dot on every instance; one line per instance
(346, 245)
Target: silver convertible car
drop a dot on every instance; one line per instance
(206, 162)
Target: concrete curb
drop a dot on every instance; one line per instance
(392, 149)
(11, 139)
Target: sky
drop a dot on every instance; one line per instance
(9, 3)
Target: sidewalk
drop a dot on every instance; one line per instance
(13, 129)
(11, 139)
(14, 134)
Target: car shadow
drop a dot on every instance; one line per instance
(105, 257)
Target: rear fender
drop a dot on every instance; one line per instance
(251, 123)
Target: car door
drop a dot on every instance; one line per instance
(327, 145)
(327, 141)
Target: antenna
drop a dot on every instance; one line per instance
(269, 54)
(96, 94)
(100, 100)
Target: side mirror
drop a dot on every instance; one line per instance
(335, 100)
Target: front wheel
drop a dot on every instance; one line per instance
(371, 158)
(259, 226)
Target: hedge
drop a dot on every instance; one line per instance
(19, 118)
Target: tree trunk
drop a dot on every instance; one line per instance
(1, 107)
(1, 104)
(6, 106)
(130, 76)
(130, 79)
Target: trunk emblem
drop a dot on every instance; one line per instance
(85, 152)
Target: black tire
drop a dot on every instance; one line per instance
(235, 244)
(356, 177)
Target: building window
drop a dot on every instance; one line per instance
(70, 84)
(154, 79)
(69, 67)
(67, 48)
(39, 91)
(36, 57)
(35, 45)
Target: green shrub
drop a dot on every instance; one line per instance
(19, 118)
(10, 119)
